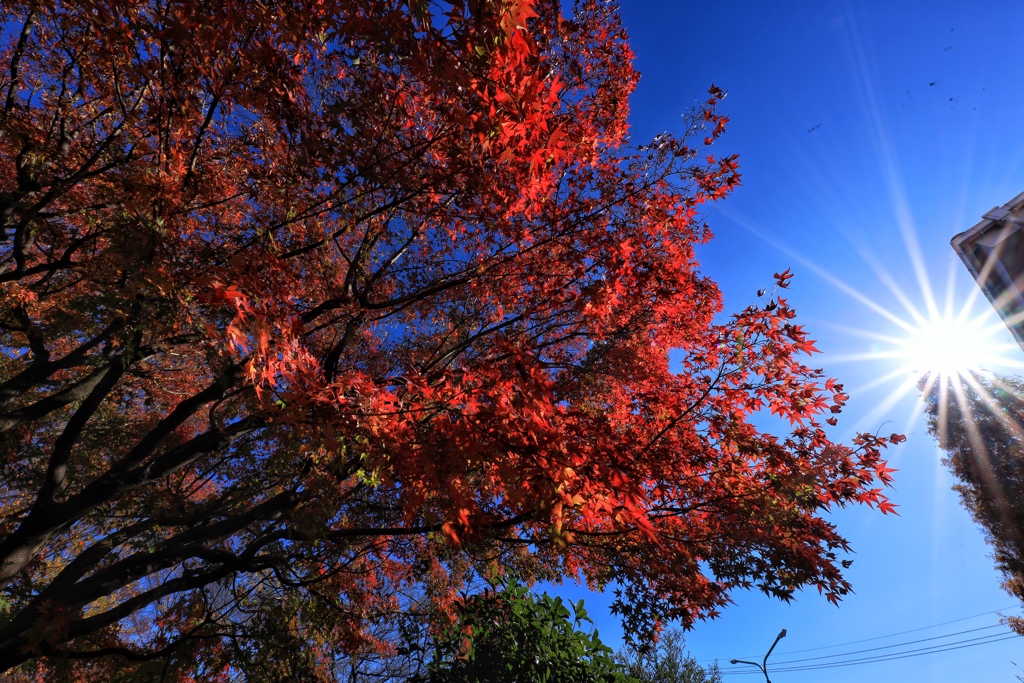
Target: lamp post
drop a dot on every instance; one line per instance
(763, 666)
(993, 251)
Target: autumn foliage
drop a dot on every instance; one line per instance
(326, 307)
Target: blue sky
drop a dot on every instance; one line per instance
(869, 134)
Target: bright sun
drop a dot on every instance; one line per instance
(942, 340)
(950, 345)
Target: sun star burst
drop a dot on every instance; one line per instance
(947, 344)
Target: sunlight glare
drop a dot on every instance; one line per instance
(948, 345)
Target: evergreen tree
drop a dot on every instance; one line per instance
(978, 421)
(667, 662)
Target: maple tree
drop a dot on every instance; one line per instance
(978, 420)
(315, 305)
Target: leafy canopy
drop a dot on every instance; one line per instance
(336, 305)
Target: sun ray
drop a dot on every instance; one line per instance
(908, 385)
(817, 270)
(881, 381)
(892, 175)
(862, 357)
(915, 413)
(978, 449)
(1009, 425)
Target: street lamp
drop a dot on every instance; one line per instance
(993, 251)
(764, 665)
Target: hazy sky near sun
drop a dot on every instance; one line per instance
(869, 133)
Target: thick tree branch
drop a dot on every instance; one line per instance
(19, 52)
(39, 371)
